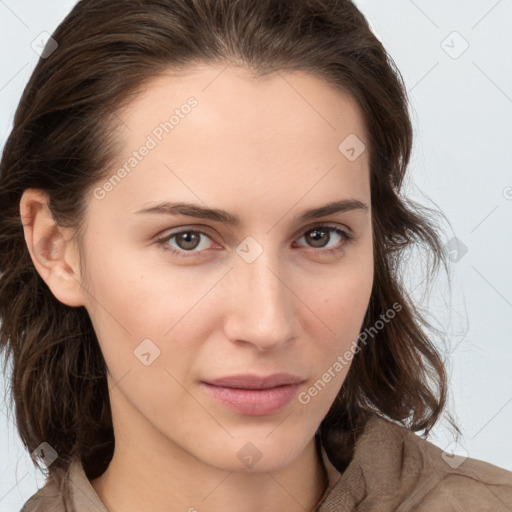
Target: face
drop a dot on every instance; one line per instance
(243, 280)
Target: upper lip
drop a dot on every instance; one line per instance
(250, 381)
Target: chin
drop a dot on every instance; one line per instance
(252, 454)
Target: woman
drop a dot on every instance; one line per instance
(201, 238)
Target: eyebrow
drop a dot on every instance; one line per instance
(214, 214)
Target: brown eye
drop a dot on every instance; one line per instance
(185, 242)
(188, 240)
(318, 237)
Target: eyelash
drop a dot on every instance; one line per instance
(163, 241)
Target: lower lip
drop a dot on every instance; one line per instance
(253, 402)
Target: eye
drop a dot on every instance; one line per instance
(319, 237)
(186, 241)
(191, 242)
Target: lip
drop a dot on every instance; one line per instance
(252, 395)
(251, 381)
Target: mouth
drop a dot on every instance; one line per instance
(252, 395)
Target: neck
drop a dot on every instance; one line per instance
(160, 476)
(132, 482)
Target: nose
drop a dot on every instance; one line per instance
(261, 305)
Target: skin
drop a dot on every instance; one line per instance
(265, 149)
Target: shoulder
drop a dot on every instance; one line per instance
(457, 482)
(393, 468)
(74, 492)
(46, 498)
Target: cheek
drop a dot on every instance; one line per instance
(139, 309)
(341, 303)
(347, 308)
(341, 308)
(145, 297)
(341, 298)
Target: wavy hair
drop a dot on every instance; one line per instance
(64, 139)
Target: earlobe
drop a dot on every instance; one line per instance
(54, 257)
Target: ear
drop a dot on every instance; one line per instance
(54, 256)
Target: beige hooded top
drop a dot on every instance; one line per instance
(392, 470)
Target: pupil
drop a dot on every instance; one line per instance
(188, 240)
(316, 236)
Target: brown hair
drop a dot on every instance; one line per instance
(64, 139)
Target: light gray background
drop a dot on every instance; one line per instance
(462, 110)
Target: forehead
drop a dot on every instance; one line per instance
(290, 103)
(245, 136)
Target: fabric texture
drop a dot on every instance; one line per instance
(392, 470)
